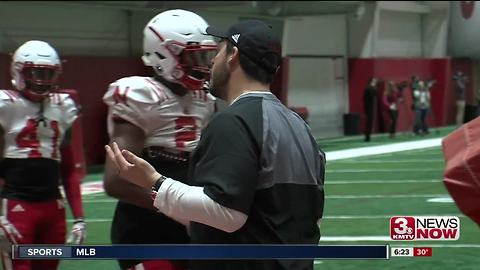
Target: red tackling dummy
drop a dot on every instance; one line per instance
(461, 150)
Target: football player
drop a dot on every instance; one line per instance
(159, 118)
(36, 127)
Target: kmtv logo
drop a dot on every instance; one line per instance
(425, 228)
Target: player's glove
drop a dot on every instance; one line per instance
(78, 232)
(8, 234)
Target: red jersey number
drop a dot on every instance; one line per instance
(187, 131)
(28, 138)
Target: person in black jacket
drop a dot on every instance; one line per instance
(369, 101)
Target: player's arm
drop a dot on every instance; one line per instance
(73, 171)
(132, 138)
(8, 233)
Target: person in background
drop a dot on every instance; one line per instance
(390, 101)
(414, 85)
(461, 81)
(415, 80)
(257, 174)
(421, 101)
(369, 105)
(37, 124)
(161, 119)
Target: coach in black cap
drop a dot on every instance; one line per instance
(255, 40)
(257, 174)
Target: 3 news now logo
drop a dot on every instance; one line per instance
(425, 228)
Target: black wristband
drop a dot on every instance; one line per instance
(78, 220)
(158, 183)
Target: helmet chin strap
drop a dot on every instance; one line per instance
(37, 98)
(41, 116)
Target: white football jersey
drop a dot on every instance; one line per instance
(168, 120)
(26, 135)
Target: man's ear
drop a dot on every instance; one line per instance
(233, 57)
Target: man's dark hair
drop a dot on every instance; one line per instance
(252, 70)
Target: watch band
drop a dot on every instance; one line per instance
(158, 183)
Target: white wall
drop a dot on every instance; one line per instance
(361, 31)
(74, 30)
(399, 29)
(317, 47)
(435, 30)
(464, 32)
(315, 35)
(314, 83)
(399, 34)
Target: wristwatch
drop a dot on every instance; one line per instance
(156, 187)
(158, 183)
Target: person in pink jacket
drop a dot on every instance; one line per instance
(390, 101)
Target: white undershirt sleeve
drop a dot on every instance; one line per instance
(183, 202)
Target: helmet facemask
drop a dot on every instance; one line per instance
(41, 79)
(194, 63)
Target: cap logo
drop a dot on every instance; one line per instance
(236, 37)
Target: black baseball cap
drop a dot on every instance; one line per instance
(256, 40)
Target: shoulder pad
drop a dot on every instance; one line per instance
(72, 93)
(9, 95)
(134, 89)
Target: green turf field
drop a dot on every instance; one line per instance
(361, 195)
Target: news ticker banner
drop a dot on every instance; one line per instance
(200, 252)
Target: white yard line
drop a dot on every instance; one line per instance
(357, 161)
(349, 182)
(441, 200)
(99, 200)
(382, 149)
(389, 196)
(382, 170)
(353, 238)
